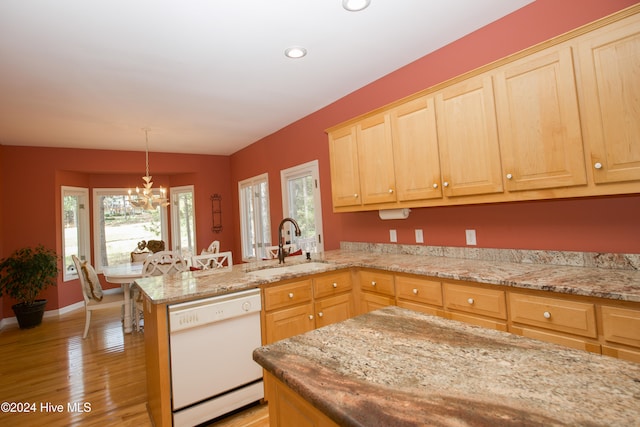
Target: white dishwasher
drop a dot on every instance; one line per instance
(211, 348)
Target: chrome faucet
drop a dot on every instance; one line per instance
(281, 254)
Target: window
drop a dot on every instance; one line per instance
(118, 227)
(183, 222)
(301, 201)
(75, 228)
(255, 228)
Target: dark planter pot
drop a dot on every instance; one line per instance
(29, 316)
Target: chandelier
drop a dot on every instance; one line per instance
(146, 199)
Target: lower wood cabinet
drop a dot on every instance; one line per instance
(298, 306)
(377, 290)
(288, 409)
(621, 328)
(554, 319)
(419, 294)
(476, 305)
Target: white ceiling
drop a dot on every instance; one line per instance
(205, 76)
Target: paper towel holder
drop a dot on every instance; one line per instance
(394, 213)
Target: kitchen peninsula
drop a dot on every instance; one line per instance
(611, 297)
(396, 367)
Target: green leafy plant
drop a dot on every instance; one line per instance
(27, 272)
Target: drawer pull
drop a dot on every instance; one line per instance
(373, 283)
(470, 301)
(547, 315)
(290, 294)
(335, 285)
(415, 292)
(320, 314)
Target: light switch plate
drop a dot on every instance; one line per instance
(419, 236)
(393, 236)
(471, 237)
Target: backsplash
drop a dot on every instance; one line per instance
(524, 256)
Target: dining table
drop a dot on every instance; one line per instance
(124, 274)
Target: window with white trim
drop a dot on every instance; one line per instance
(301, 201)
(255, 222)
(118, 226)
(183, 221)
(75, 229)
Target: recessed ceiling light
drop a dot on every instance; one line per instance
(295, 52)
(355, 5)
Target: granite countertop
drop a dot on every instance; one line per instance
(614, 284)
(403, 368)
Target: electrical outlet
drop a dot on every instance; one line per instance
(393, 236)
(419, 236)
(471, 237)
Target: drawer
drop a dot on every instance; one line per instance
(378, 282)
(556, 314)
(331, 284)
(286, 295)
(621, 325)
(476, 300)
(420, 290)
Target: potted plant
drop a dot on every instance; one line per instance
(23, 275)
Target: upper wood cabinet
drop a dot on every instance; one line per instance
(345, 176)
(468, 138)
(375, 159)
(415, 150)
(609, 77)
(539, 122)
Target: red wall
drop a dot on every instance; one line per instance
(32, 177)
(600, 224)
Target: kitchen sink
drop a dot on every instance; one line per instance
(308, 267)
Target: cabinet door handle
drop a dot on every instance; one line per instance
(470, 301)
(290, 294)
(445, 184)
(546, 315)
(335, 285)
(355, 195)
(509, 176)
(435, 185)
(311, 317)
(391, 191)
(598, 165)
(415, 292)
(373, 283)
(320, 314)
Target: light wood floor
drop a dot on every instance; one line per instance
(51, 365)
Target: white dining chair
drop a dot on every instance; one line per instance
(272, 251)
(212, 261)
(157, 264)
(213, 248)
(94, 297)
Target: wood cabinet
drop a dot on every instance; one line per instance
(557, 120)
(334, 300)
(559, 320)
(375, 159)
(621, 331)
(609, 81)
(376, 290)
(345, 174)
(539, 121)
(415, 150)
(298, 306)
(468, 138)
(420, 294)
(476, 304)
(288, 409)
